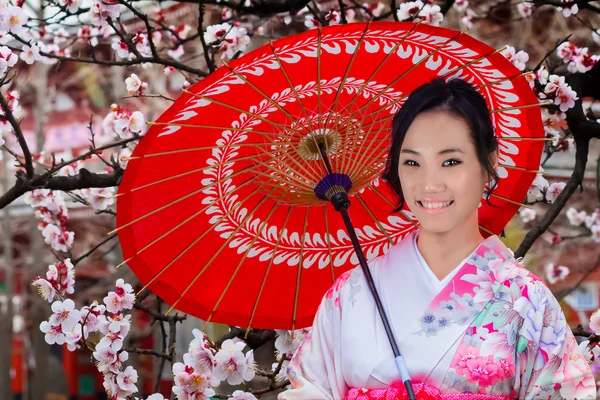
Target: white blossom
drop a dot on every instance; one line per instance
(525, 9)
(65, 314)
(409, 9)
(554, 190)
(30, 54)
(575, 217)
(555, 273)
(527, 214)
(54, 333)
(518, 59)
(241, 395)
(13, 20)
(232, 364)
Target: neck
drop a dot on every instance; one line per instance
(443, 251)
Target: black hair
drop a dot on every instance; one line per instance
(459, 97)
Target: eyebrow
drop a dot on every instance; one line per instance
(445, 151)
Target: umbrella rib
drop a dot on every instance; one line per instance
(343, 80)
(507, 78)
(405, 73)
(522, 169)
(194, 171)
(360, 160)
(234, 108)
(508, 200)
(486, 229)
(229, 239)
(289, 80)
(193, 149)
(181, 223)
(381, 64)
(366, 207)
(299, 182)
(164, 206)
(463, 66)
(319, 110)
(523, 138)
(392, 204)
(273, 156)
(217, 127)
(357, 179)
(265, 96)
(291, 85)
(328, 240)
(299, 275)
(206, 232)
(237, 269)
(264, 281)
(540, 104)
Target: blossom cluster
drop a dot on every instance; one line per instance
(123, 122)
(52, 214)
(427, 13)
(60, 279)
(12, 98)
(577, 58)
(286, 344)
(227, 39)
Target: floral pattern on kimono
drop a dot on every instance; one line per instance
(498, 326)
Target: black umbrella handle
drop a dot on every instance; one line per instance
(338, 197)
(342, 208)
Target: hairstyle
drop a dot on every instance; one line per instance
(456, 96)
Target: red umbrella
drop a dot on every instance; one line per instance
(222, 211)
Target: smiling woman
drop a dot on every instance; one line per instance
(471, 322)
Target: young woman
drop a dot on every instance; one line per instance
(470, 321)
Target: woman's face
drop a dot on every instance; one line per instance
(441, 177)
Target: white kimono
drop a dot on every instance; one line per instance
(490, 327)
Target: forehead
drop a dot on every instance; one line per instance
(438, 129)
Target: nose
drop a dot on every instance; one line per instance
(432, 181)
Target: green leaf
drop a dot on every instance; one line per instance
(522, 344)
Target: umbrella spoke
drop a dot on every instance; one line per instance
(508, 78)
(379, 66)
(169, 204)
(405, 73)
(365, 152)
(181, 223)
(206, 232)
(283, 127)
(319, 110)
(299, 276)
(374, 218)
(216, 127)
(508, 200)
(522, 138)
(348, 67)
(483, 228)
(237, 269)
(193, 171)
(229, 239)
(265, 96)
(376, 190)
(523, 169)
(328, 240)
(540, 104)
(264, 281)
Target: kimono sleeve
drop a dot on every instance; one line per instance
(550, 363)
(315, 369)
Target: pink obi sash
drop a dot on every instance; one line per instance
(422, 392)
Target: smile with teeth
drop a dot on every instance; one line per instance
(433, 205)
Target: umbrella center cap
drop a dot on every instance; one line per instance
(308, 147)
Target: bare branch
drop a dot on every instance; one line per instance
(19, 134)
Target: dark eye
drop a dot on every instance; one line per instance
(451, 162)
(411, 163)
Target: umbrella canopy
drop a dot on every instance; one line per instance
(222, 211)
